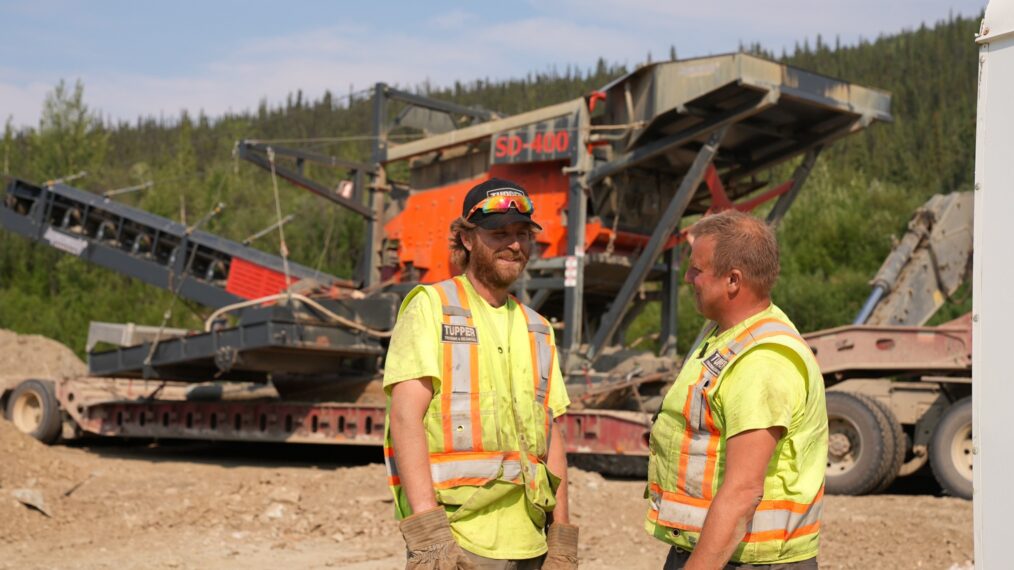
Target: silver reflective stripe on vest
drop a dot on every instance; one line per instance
(461, 371)
(483, 469)
(543, 352)
(543, 361)
(696, 462)
(512, 470)
(687, 516)
(785, 519)
(476, 471)
(392, 465)
(456, 311)
(692, 516)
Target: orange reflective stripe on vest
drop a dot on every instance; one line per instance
(460, 397)
(699, 451)
(463, 459)
(456, 469)
(785, 520)
(392, 467)
(773, 520)
(686, 506)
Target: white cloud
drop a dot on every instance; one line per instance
(325, 58)
(774, 22)
(451, 20)
(457, 45)
(21, 97)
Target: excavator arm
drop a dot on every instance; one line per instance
(926, 267)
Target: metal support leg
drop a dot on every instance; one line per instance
(375, 235)
(777, 213)
(663, 231)
(539, 299)
(370, 268)
(798, 178)
(521, 287)
(178, 263)
(636, 308)
(573, 292)
(670, 295)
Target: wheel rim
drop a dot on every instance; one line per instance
(961, 451)
(845, 446)
(27, 416)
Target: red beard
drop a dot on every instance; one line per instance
(494, 273)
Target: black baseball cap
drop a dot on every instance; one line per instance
(494, 220)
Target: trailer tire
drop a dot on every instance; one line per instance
(33, 409)
(861, 449)
(900, 446)
(632, 466)
(950, 449)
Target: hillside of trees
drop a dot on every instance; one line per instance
(860, 195)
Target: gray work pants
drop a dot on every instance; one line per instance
(678, 558)
(482, 563)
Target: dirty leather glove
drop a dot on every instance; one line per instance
(562, 542)
(430, 543)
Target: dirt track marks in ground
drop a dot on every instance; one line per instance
(203, 505)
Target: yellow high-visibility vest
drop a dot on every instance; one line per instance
(471, 439)
(687, 453)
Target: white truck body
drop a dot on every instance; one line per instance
(993, 279)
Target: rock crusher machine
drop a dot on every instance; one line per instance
(614, 176)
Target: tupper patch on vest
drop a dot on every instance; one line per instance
(716, 362)
(459, 334)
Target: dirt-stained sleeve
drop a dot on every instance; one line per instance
(413, 352)
(767, 388)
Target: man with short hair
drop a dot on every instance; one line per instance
(476, 460)
(738, 450)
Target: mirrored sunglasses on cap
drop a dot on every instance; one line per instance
(502, 204)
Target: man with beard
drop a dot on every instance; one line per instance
(738, 450)
(475, 458)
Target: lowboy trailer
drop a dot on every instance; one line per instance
(291, 354)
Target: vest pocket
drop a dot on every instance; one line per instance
(698, 403)
(541, 498)
(459, 422)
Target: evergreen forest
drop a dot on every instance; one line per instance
(858, 199)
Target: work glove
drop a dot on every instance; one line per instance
(430, 543)
(562, 542)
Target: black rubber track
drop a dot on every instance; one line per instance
(613, 465)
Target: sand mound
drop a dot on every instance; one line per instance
(25, 458)
(32, 473)
(34, 356)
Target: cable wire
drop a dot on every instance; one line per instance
(283, 249)
(288, 295)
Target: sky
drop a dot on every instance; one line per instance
(146, 58)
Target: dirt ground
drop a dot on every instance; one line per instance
(113, 504)
(202, 505)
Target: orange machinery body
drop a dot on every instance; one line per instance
(422, 228)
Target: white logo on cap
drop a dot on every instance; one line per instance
(504, 192)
